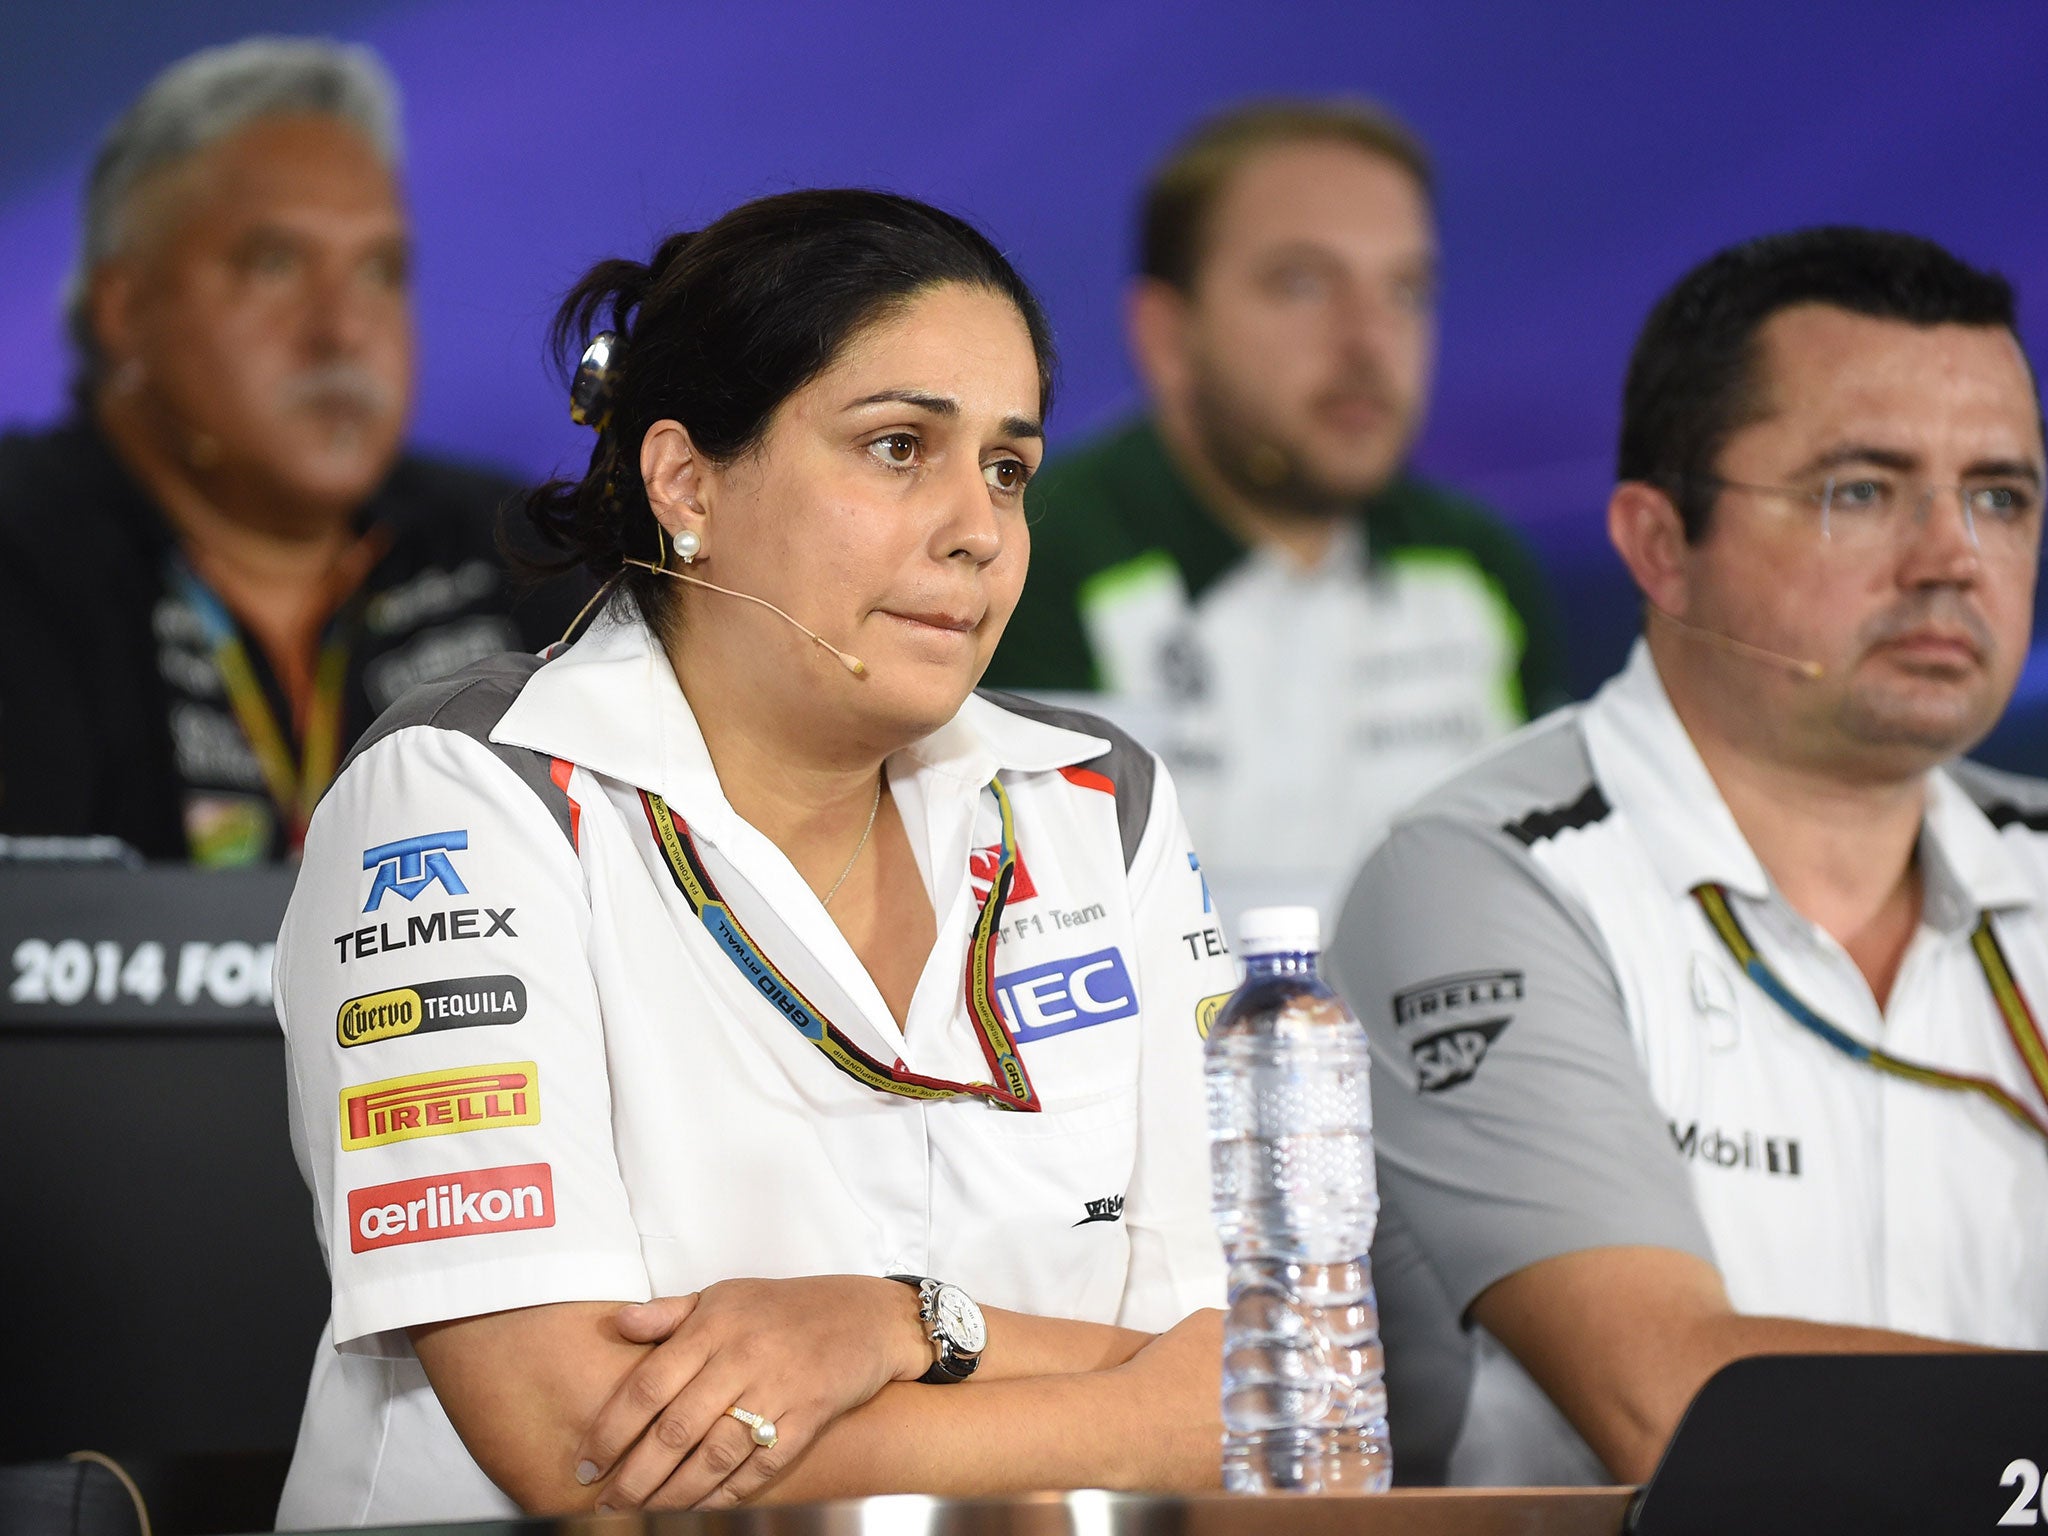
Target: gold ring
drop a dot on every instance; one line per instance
(764, 1429)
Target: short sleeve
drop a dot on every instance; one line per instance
(451, 1108)
(1512, 1119)
(1176, 1258)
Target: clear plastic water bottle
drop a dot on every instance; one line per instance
(1296, 1200)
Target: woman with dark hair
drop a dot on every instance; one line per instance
(742, 964)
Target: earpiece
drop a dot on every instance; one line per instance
(852, 663)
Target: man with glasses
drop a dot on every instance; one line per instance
(1705, 1016)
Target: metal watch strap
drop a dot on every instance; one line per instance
(942, 1372)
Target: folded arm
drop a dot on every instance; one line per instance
(575, 1405)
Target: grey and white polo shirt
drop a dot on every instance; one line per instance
(1566, 1056)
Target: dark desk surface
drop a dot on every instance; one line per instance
(1404, 1512)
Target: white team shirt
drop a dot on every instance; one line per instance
(523, 1072)
(1567, 1056)
(1350, 686)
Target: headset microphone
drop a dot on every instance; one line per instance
(852, 664)
(1812, 671)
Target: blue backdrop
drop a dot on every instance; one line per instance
(1589, 152)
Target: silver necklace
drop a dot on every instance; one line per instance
(857, 847)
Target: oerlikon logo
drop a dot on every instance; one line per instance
(511, 1199)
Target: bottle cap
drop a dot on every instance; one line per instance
(1279, 930)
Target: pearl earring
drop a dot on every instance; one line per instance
(687, 545)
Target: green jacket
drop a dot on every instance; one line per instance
(1119, 499)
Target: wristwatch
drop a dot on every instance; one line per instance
(955, 1326)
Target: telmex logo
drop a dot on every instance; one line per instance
(1067, 994)
(412, 864)
(426, 1006)
(982, 864)
(510, 1199)
(442, 1103)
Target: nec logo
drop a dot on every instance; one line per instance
(412, 864)
(1067, 994)
(982, 864)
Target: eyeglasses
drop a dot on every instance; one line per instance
(1865, 512)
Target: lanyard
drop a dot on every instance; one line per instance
(1006, 1068)
(2012, 1007)
(295, 786)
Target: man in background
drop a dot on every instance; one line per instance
(1308, 633)
(219, 571)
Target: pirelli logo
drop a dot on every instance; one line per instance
(440, 1104)
(456, 1003)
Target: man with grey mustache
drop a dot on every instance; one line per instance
(224, 567)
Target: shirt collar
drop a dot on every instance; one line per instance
(610, 703)
(1649, 769)
(1967, 857)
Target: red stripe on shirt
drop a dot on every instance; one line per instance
(559, 770)
(1088, 778)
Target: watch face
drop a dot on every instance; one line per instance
(960, 1320)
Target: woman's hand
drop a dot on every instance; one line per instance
(1182, 1367)
(797, 1352)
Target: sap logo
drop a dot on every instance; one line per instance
(1745, 1150)
(509, 1199)
(982, 864)
(1067, 994)
(1108, 1208)
(412, 864)
(1450, 1056)
(1461, 1016)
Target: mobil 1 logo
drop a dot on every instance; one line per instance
(1450, 1023)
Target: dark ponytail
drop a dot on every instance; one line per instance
(724, 324)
